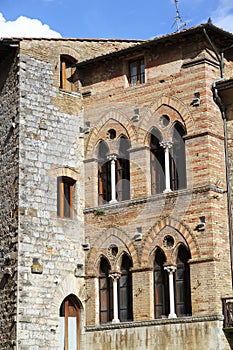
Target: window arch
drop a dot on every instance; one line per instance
(177, 158)
(125, 290)
(67, 70)
(70, 323)
(161, 287)
(122, 172)
(157, 162)
(182, 283)
(105, 292)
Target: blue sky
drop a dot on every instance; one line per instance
(132, 19)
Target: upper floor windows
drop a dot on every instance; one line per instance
(168, 165)
(136, 72)
(65, 194)
(114, 172)
(67, 70)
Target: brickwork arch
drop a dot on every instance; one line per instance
(96, 252)
(66, 286)
(67, 50)
(116, 116)
(182, 229)
(65, 171)
(171, 103)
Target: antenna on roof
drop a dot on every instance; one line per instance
(180, 24)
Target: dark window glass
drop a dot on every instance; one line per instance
(123, 171)
(105, 292)
(104, 174)
(161, 287)
(182, 283)
(157, 163)
(177, 159)
(125, 290)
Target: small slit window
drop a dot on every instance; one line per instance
(67, 71)
(65, 192)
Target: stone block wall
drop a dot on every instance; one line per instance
(9, 182)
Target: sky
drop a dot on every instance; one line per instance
(121, 19)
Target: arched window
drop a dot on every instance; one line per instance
(161, 287)
(123, 171)
(104, 174)
(177, 159)
(125, 290)
(70, 324)
(105, 292)
(157, 163)
(67, 70)
(182, 283)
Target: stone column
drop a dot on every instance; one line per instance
(171, 270)
(115, 276)
(113, 158)
(166, 145)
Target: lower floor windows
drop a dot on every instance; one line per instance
(115, 292)
(172, 294)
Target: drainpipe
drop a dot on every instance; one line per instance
(222, 108)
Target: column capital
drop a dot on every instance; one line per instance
(166, 144)
(112, 157)
(115, 275)
(170, 269)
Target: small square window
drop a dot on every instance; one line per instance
(65, 187)
(136, 72)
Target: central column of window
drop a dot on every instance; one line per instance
(115, 276)
(171, 270)
(113, 158)
(167, 145)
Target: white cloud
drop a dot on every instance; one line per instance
(223, 15)
(26, 27)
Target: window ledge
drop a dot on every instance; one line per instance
(156, 197)
(135, 86)
(156, 322)
(70, 93)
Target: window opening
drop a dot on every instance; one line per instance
(161, 286)
(70, 324)
(104, 174)
(105, 292)
(123, 171)
(177, 159)
(65, 187)
(67, 70)
(157, 163)
(137, 72)
(125, 290)
(182, 283)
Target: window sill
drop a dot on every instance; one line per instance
(70, 93)
(155, 197)
(128, 87)
(156, 322)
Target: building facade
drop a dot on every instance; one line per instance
(115, 176)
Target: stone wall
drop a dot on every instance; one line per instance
(9, 180)
(49, 247)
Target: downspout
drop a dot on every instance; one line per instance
(222, 108)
